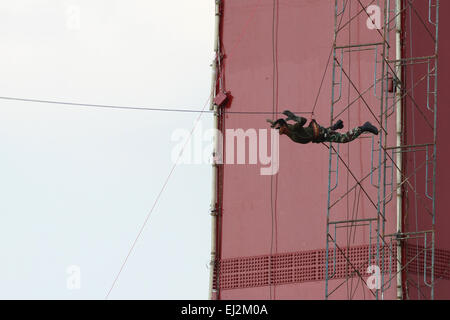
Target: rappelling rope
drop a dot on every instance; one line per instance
(326, 67)
(273, 198)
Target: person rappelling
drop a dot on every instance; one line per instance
(315, 133)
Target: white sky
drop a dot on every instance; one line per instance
(76, 183)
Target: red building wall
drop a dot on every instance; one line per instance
(272, 229)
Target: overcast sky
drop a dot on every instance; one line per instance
(76, 183)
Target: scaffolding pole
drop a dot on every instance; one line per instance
(393, 94)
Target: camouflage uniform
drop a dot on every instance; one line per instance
(300, 134)
(328, 135)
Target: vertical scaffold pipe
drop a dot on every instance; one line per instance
(213, 207)
(436, 50)
(327, 244)
(399, 129)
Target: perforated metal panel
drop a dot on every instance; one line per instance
(416, 256)
(300, 266)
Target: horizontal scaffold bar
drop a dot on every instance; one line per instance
(353, 221)
(359, 45)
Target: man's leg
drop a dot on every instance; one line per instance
(333, 136)
(338, 125)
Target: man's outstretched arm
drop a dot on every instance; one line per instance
(291, 116)
(276, 123)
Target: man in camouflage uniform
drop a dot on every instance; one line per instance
(316, 133)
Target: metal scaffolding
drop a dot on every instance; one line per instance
(400, 97)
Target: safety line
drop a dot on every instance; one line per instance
(105, 106)
(326, 66)
(274, 109)
(157, 198)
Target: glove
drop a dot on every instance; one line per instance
(271, 122)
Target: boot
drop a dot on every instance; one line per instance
(338, 125)
(368, 127)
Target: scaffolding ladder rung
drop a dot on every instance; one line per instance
(359, 45)
(410, 146)
(414, 59)
(353, 221)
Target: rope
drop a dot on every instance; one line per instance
(157, 109)
(273, 198)
(326, 66)
(157, 199)
(349, 232)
